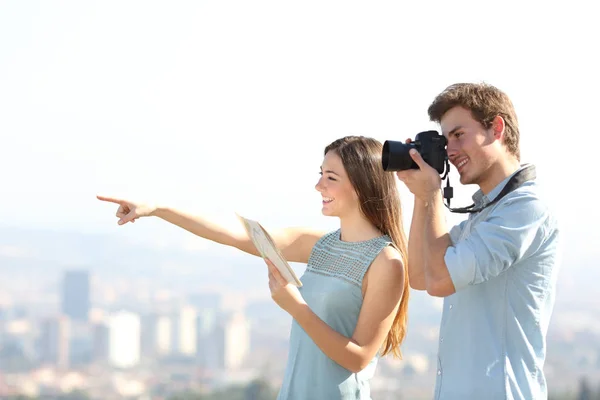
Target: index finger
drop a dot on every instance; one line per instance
(109, 199)
(416, 156)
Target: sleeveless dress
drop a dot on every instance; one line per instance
(332, 286)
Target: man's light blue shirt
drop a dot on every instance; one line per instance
(503, 262)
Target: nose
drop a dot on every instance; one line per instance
(319, 185)
(452, 148)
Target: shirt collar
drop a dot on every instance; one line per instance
(481, 199)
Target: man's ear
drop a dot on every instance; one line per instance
(498, 127)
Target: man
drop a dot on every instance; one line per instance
(497, 270)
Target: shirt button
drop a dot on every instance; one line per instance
(441, 340)
(451, 306)
(439, 372)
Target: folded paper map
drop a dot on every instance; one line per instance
(267, 249)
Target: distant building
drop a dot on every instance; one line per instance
(76, 294)
(156, 336)
(171, 334)
(124, 339)
(54, 341)
(81, 344)
(232, 341)
(206, 331)
(184, 338)
(101, 339)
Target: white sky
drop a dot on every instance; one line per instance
(226, 106)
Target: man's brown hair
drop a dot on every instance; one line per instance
(485, 103)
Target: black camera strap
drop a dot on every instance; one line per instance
(520, 177)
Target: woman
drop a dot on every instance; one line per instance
(352, 307)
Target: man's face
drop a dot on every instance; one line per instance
(470, 145)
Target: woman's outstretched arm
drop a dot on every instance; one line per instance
(294, 243)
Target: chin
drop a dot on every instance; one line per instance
(466, 179)
(328, 213)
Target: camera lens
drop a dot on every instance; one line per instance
(395, 156)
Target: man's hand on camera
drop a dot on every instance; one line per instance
(424, 182)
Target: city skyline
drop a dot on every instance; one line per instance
(234, 282)
(571, 346)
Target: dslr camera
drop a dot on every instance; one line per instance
(430, 145)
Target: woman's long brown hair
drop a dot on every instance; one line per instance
(380, 203)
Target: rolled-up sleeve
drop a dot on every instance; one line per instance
(511, 231)
(456, 231)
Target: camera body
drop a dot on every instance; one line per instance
(430, 145)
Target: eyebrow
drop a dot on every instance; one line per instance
(453, 131)
(330, 171)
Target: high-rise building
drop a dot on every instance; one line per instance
(76, 294)
(156, 336)
(206, 329)
(170, 334)
(124, 339)
(101, 338)
(184, 337)
(81, 344)
(54, 341)
(232, 340)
